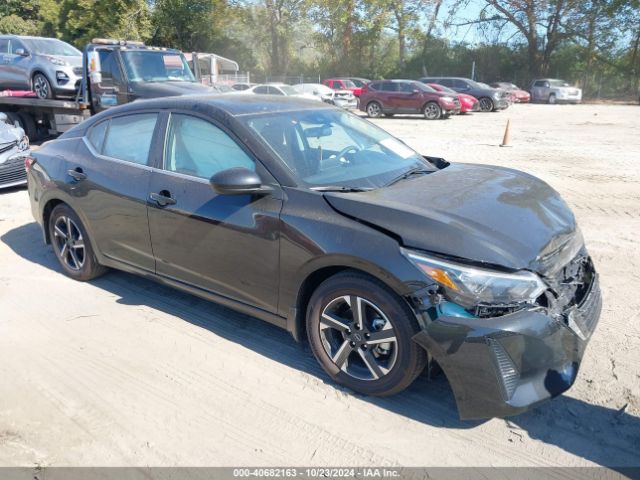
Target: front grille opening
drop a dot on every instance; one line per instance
(488, 311)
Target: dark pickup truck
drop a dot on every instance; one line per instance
(114, 72)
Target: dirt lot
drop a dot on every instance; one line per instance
(122, 371)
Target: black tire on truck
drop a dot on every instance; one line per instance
(28, 124)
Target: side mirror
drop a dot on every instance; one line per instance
(236, 181)
(22, 52)
(416, 91)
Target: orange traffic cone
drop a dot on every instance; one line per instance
(505, 139)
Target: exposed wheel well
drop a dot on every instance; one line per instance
(46, 214)
(310, 284)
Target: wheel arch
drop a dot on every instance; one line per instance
(312, 278)
(46, 215)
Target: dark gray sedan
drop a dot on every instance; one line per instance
(313, 219)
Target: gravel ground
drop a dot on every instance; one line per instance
(122, 371)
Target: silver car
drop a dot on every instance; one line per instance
(48, 66)
(340, 98)
(14, 146)
(551, 90)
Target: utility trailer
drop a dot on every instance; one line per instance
(114, 72)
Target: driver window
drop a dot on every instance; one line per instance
(198, 148)
(111, 75)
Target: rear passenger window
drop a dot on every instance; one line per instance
(97, 134)
(389, 87)
(375, 86)
(129, 137)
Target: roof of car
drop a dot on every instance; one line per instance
(450, 78)
(230, 103)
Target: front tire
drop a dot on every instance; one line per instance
(432, 111)
(361, 333)
(552, 99)
(374, 110)
(72, 246)
(42, 86)
(486, 104)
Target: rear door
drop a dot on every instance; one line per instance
(18, 65)
(226, 244)
(540, 90)
(110, 182)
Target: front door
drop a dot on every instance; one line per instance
(407, 99)
(112, 89)
(226, 244)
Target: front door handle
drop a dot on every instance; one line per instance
(163, 198)
(77, 174)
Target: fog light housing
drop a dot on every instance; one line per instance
(62, 77)
(506, 369)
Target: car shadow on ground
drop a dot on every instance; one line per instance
(598, 434)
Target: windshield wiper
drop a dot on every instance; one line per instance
(340, 188)
(409, 173)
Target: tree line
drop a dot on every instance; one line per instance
(594, 43)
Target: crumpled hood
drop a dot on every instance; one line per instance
(485, 214)
(168, 89)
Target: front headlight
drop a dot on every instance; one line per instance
(471, 286)
(23, 145)
(57, 61)
(447, 99)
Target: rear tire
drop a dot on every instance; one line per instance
(372, 353)
(374, 110)
(28, 124)
(72, 246)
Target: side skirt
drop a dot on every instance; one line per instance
(199, 292)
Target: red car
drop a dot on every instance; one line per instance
(517, 94)
(468, 103)
(388, 97)
(343, 84)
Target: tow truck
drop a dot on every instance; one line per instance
(114, 72)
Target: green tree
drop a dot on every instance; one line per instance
(82, 20)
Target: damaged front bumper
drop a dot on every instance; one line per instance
(506, 365)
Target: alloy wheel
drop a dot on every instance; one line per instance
(69, 243)
(486, 105)
(358, 337)
(431, 111)
(373, 110)
(41, 86)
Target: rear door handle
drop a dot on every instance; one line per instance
(77, 174)
(163, 198)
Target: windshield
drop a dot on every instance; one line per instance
(331, 147)
(423, 87)
(51, 46)
(446, 89)
(288, 90)
(153, 66)
(558, 83)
